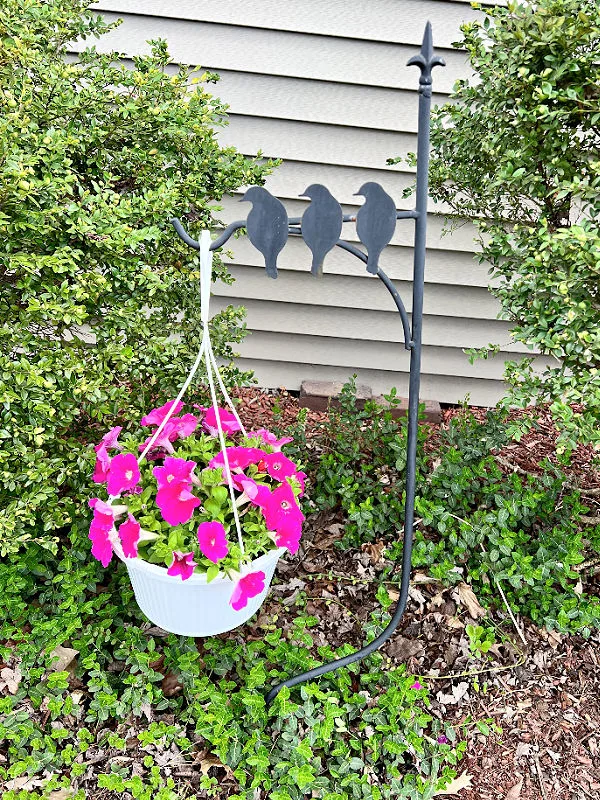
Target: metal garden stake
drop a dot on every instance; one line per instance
(268, 228)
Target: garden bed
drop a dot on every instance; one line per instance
(136, 706)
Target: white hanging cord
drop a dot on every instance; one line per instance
(210, 354)
(227, 469)
(182, 391)
(206, 351)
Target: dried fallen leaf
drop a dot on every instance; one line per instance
(374, 550)
(514, 793)
(63, 658)
(10, 679)
(61, 794)
(402, 649)
(466, 597)
(171, 685)
(457, 785)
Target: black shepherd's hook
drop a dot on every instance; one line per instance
(268, 227)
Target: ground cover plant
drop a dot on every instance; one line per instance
(518, 150)
(476, 518)
(130, 711)
(95, 156)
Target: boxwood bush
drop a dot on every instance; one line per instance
(95, 156)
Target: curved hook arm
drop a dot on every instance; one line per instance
(372, 646)
(350, 248)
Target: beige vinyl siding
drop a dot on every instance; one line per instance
(325, 87)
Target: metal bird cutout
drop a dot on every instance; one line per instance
(267, 225)
(321, 224)
(375, 222)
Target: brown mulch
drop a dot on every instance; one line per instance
(543, 694)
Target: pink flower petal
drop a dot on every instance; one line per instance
(129, 534)
(102, 549)
(123, 475)
(270, 438)
(278, 466)
(174, 471)
(183, 565)
(176, 504)
(281, 510)
(248, 586)
(156, 416)
(238, 457)
(102, 464)
(229, 423)
(110, 439)
(289, 537)
(301, 478)
(186, 425)
(257, 493)
(104, 518)
(213, 541)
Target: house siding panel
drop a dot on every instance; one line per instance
(326, 88)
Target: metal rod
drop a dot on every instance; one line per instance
(425, 61)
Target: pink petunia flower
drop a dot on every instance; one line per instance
(176, 504)
(185, 425)
(213, 541)
(301, 478)
(257, 493)
(247, 587)
(183, 565)
(163, 440)
(281, 511)
(238, 457)
(102, 464)
(270, 438)
(229, 423)
(416, 685)
(102, 548)
(129, 534)
(277, 466)
(443, 739)
(123, 475)
(289, 537)
(101, 531)
(174, 471)
(156, 416)
(110, 439)
(104, 517)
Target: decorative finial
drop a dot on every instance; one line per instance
(426, 60)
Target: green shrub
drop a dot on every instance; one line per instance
(360, 466)
(474, 522)
(524, 531)
(95, 156)
(518, 149)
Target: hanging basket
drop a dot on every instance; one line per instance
(194, 607)
(181, 534)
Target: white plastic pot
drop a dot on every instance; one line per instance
(193, 607)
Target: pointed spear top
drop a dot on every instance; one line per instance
(426, 60)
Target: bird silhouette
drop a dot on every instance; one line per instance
(267, 225)
(375, 222)
(321, 224)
